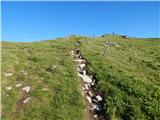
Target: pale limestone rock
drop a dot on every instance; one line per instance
(89, 99)
(85, 78)
(46, 89)
(18, 85)
(8, 74)
(26, 89)
(26, 100)
(9, 88)
(82, 65)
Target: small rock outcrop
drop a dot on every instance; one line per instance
(18, 85)
(26, 89)
(8, 74)
(26, 100)
(9, 88)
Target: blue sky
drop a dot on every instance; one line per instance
(34, 21)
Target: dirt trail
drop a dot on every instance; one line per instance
(89, 113)
(93, 100)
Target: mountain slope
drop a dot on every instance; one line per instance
(55, 94)
(128, 75)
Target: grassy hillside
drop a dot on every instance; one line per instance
(129, 75)
(62, 100)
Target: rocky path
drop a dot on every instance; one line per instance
(92, 98)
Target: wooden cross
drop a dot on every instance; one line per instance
(106, 47)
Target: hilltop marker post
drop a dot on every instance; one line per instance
(106, 47)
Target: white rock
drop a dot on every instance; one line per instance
(46, 89)
(83, 88)
(92, 83)
(82, 65)
(99, 98)
(85, 78)
(72, 53)
(18, 85)
(77, 56)
(80, 75)
(94, 106)
(95, 116)
(54, 67)
(86, 86)
(90, 93)
(80, 60)
(8, 88)
(89, 99)
(26, 100)
(84, 72)
(26, 89)
(8, 74)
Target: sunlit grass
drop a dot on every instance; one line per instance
(128, 75)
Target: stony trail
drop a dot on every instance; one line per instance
(93, 99)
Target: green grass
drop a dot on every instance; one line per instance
(129, 75)
(62, 102)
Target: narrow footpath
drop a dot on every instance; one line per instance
(93, 99)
